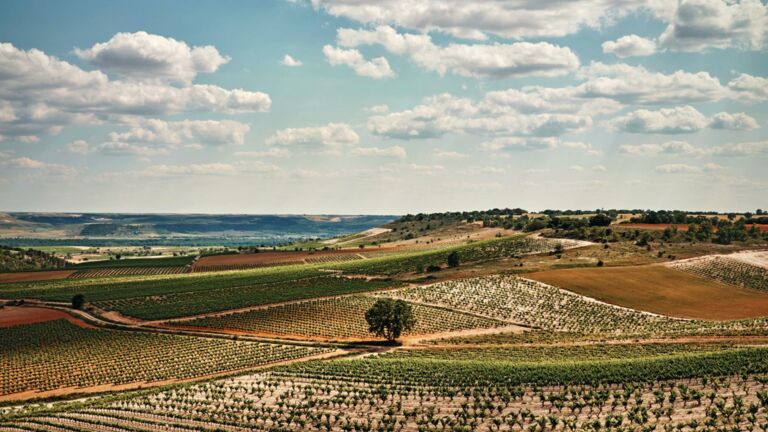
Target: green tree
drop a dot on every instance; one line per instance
(453, 259)
(78, 300)
(389, 318)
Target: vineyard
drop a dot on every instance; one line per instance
(126, 271)
(501, 248)
(55, 354)
(726, 270)
(341, 318)
(185, 304)
(376, 394)
(531, 303)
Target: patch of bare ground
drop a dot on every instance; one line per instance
(661, 290)
(33, 276)
(11, 316)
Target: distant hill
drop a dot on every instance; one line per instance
(187, 228)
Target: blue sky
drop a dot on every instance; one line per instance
(382, 107)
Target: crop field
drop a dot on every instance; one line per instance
(501, 248)
(438, 395)
(54, 354)
(342, 318)
(184, 304)
(126, 271)
(662, 290)
(267, 259)
(726, 270)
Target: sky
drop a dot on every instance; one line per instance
(371, 107)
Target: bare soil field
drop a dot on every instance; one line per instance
(12, 316)
(35, 276)
(264, 259)
(661, 290)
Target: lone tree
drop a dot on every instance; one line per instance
(389, 318)
(78, 300)
(453, 259)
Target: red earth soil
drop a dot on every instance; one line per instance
(270, 258)
(680, 227)
(12, 316)
(34, 276)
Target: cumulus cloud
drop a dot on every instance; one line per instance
(630, 46)
(42, 94)
(442, 114)
(122, 148)
(477, 20)
(377, 68)
(476, 61)
(687, 169)
(519, 144)
(152, 57)
(667, 148)
(291, 62)
(332, 136)
(273, 152)
(635, 85)
(28, 164)
(537, 99)
(735, 121)
(685, 119)
(675, 148)
(208, 132)
(378, 109)
(446, 154)
(79, 147)
(393, 152)
(679, 120)
(750, 87)
(702, 24)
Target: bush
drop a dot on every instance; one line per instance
(78, 300)
(453, 259)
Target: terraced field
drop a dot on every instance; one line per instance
(50, 355)
(336, 318)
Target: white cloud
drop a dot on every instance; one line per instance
(377, 68)
(630, 46)
(187, 170)
(702, 24)
(378, 109)
(750, 87)
(476, 20)
(291, 62)
(426, 169)
(445, 154)
(519, 144)
(442, 114)
(152, 57)
(45, 94)
(685, 119)
(122, 148)
(735, 121)
(637, 86)
(537, 99)
(678, 169)
(667, 148)
(25, 163)
(674, 148)
(394, 151)
(79, 147)
(273, 152)
(331, 136)
(477, 61)
(209, 132)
